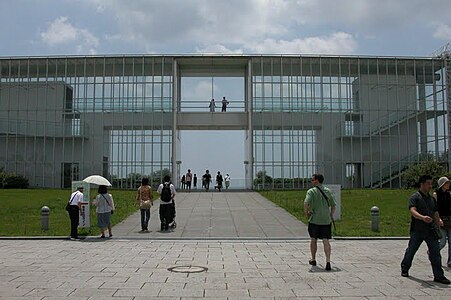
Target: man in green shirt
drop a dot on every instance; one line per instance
(319, 207)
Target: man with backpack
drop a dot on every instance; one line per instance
(167, 193)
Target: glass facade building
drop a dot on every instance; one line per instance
(361, 121)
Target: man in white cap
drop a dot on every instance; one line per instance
(76, 198)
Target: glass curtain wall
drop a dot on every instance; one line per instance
(359, 121)
(105, 115)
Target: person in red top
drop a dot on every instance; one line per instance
(144, 199)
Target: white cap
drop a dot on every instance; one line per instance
(442, 181)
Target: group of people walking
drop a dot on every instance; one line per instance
(188, 179)
(430, 223)
(144, 199)
(430, 215)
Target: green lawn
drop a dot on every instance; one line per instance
(20, 213)
(355, 210)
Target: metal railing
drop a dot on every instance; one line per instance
(70, 128)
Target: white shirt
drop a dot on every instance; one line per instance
(227, 178)
(104, 205)
(171, 186)
(75, 198)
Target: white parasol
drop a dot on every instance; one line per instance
(97, 179)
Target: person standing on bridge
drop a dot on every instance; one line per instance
(224, 104)
(319, 207)
(212, 105)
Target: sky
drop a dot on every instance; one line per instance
(359, 27)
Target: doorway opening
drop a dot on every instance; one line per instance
(215, 151)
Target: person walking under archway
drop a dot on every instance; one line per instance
(206, 178)
(227, 181)
(188, 179)
(219, 180)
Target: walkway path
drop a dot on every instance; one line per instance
(138, 269)
(219, 215)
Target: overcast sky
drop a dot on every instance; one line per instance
(382, 27)
(363, 27)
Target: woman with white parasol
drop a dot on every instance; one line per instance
(104, 203)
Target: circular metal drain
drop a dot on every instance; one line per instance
(188, 269)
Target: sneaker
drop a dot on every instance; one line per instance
(102, 236)
(328, 268)
(404, 273)
(312, 262)
(443, 280)
(74, 239)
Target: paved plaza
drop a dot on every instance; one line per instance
(232, 238)
(138, 269)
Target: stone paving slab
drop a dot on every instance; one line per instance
(138, 269)
(219, 215)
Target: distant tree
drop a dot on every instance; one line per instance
(262, 177)
(12, 181)
(412, 174)
(157, 176)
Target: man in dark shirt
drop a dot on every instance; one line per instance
(424, 213)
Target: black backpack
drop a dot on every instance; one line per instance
(166, 194)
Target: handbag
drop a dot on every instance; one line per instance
(436, 232)
(328, 203)
(70, 201)
(446, 222)
(112, 210)
(145, 204)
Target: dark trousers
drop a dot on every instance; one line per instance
(74, 215)
(416, 239)
(145, 217)
(165, 215)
